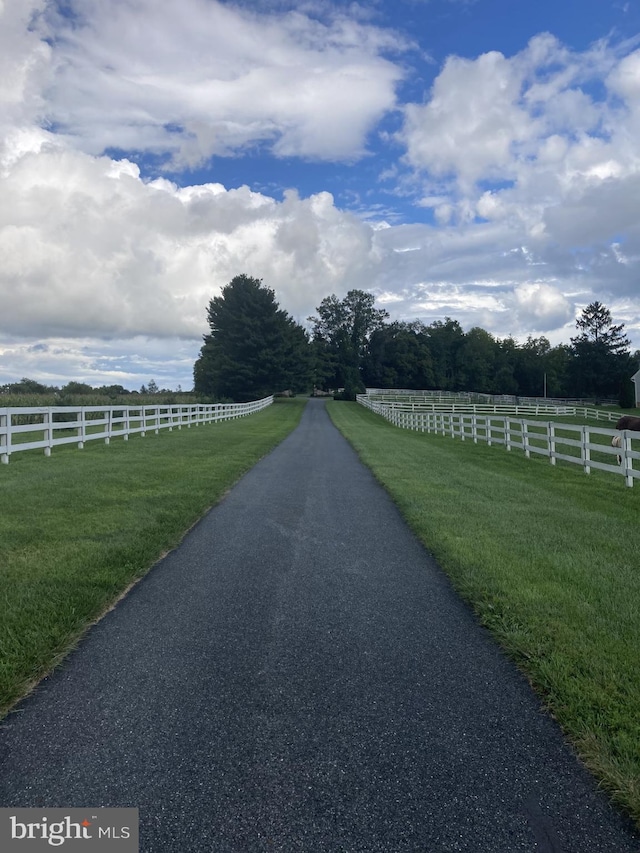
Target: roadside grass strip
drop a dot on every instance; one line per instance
(78, 528)
(561, 438)
(548, 558)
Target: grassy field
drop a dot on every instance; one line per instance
(548, 557)
(78, 528)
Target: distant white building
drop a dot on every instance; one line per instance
(636, 381)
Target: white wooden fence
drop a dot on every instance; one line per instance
(588, 446)
(419, 403)
(403, 395)
(45, 427)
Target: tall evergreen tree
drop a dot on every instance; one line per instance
(601, 353)
(254, 347)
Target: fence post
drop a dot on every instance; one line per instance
(109, 426)
(5, 446)
(525, 438)
(47, 421)
(627, 460)
(586, 453)
(507, 434)
(82, 429)
(551, 433)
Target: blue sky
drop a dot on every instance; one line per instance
(434, 30)
(474, 159)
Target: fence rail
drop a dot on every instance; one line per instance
(46, 427)
(405, 394)
(417, 403)
(588, 446)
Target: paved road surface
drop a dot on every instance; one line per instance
(299, 676)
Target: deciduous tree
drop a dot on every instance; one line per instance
(445, 340)
(398, 356)
(341, 333)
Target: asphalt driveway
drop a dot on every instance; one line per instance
(299, 676)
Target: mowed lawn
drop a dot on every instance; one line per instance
(76, 529)
(548, 557)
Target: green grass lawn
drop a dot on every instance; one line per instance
(76, 529)
(548, 557)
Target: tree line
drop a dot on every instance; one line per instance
(30, 392)
(254, 348)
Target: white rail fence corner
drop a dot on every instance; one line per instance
(584, 445)
(46, 427)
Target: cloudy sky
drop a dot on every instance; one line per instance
(477, 159)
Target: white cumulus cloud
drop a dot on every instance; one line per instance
(199, 77)
(88, 247)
